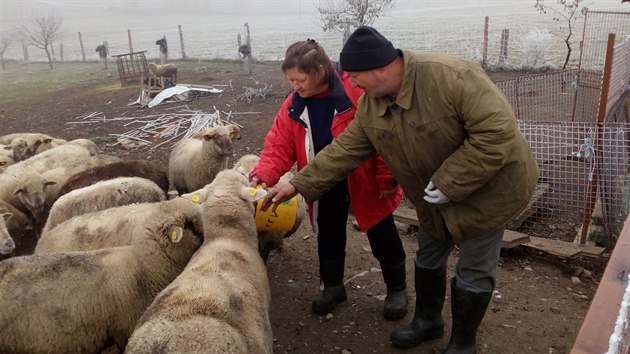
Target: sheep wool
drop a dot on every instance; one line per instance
(194, 162)
(86, 302)
(220, 302)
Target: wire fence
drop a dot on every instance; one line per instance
(578, 127)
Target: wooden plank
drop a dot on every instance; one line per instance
(512, 239)
(409, 216)
(562, 248)
(535, 202)
(605, 309)
(406, 215)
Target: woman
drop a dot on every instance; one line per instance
(320, 107)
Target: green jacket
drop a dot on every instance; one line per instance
(449, 124)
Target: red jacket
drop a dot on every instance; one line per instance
(288, 142)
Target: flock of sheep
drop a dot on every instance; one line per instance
(98, 258)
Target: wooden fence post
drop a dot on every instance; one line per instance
(82, 48)
(503, 54)
(248, 58)
(24, 51)
(129, 39)
(60, 51)
(181, 41)
(484, 61)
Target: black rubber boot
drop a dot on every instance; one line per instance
(395, 306)
(331, 272)
(427, 321)
(329, 298)
(468, 309)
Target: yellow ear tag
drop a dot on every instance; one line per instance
(252, 192)
(195, 198)
(174, 235)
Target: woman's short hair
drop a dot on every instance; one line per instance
(310, 58)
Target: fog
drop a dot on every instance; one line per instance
(210, 27)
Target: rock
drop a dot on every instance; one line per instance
(575, 280)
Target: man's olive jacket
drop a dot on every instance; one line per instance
(449, 124)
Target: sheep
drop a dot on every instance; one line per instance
(6, 241)
(29, 137)
(6, 157)
(103, 195)
(125, 168)
(220, 302)
(26, 145)
(271, 240)
(19, 228)
(246, 164)
(166, 70)
(118, 226)
(21, 173)
(87, 144)
(87, 302)
(194, 162)
(36, 193)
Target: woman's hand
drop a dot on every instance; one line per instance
(255, 182)
(278, 195)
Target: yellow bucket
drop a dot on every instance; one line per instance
(282, 219)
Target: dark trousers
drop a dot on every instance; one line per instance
(384, 240)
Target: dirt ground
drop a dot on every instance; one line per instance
(536, 308)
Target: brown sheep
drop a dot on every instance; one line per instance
(127, 168)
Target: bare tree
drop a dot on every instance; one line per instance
(5, 40)
(42, 33)
(347, 15)
(565, 15)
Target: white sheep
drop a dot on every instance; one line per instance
(220, 302)
(194, 162)
(6, 157)
(166, 70)
(7, 245)
(87, 302)
(20, 173)
(246, 164)
(272, 240)
(19, 228)
(36, 193)
(119, 226)
(103, 195)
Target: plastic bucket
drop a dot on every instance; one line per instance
(282, 219)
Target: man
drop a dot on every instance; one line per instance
(450, 139)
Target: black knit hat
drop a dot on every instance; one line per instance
(366, 49)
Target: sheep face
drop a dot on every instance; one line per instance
(221, 193)
(6, 242)
(32, 193)
(223, 137)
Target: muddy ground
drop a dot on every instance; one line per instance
(536, 307)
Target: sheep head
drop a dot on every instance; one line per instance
(222, 138)
(6, 242)
(32, 193)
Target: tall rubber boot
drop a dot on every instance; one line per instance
(331, 272)
(395, 306)
(427, 321)
(468, 309)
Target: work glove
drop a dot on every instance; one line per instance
(434, 195)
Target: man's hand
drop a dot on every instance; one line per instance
(278, 195)
(434, 195)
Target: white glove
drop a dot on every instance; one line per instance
(434, 195)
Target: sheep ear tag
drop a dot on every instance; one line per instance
(252, 194)
(175, 233)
